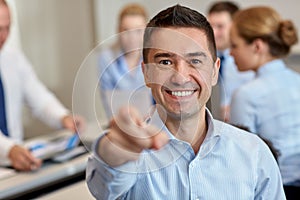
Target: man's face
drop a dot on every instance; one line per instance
(131, 30)
(180, 70)
(4, 24)
(221, 23)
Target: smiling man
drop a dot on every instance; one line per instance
(191, 155)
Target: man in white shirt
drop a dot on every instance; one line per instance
(21, 86)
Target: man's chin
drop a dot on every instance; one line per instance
(182, 114)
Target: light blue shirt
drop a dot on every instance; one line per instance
(270, 107)
(117, 80)
(231, 164)
(114, 72)
(231, 78)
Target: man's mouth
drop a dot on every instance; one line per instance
(181, 93)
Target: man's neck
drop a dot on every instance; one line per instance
(191, 130)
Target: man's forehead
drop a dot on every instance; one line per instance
(180, 40)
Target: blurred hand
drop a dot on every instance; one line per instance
(129, 134)
(22, 159)
(73, 123)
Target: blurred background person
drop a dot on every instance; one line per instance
(269, 104)
(220, 17)
(18, 86)
(119, 66)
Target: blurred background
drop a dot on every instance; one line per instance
(57, 36)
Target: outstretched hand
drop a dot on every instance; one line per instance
(129, 135)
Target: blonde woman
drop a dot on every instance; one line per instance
(268, 105)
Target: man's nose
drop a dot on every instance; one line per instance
(180, 74)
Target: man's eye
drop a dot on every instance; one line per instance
(195, 61)
(165, 62)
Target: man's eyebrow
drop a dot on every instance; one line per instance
(193, 54)
(168, 55)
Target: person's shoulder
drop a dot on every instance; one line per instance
(108, 51)
(10, 51)
(253, 89)
(237, 135)
(104, 52)
(14, 56)
(294, 73)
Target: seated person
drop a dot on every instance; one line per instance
(18, 86)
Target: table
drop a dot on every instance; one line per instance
(51, 176)
(26, 183)
(76, 191)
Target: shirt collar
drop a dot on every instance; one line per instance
(211, 138)
(271, 67)
(211, 131)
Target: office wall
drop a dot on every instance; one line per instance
(107, 11)
(56, 36)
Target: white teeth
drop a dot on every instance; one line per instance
(182, 93)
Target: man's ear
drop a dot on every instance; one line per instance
(215, 72)
(145, 69)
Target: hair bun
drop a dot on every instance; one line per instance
(288, 32)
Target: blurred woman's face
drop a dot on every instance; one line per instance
(243, 53)
(131, 31)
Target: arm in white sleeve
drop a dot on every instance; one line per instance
(5, 145)
(42, 102)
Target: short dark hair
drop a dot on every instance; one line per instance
(179, 16)
(224, 6)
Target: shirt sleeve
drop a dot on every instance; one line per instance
(43, 103)
(269, 181)
(6, 145)
(105, 182)
(242, 110)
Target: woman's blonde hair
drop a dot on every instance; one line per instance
(133, 9)
(266, 24)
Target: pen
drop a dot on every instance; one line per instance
(36, 147)
(73, 141)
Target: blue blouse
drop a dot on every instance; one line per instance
(270, 107)
(114, 72)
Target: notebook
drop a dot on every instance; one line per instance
(47, 149)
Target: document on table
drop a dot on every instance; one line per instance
(45, 149)
(6, 172)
